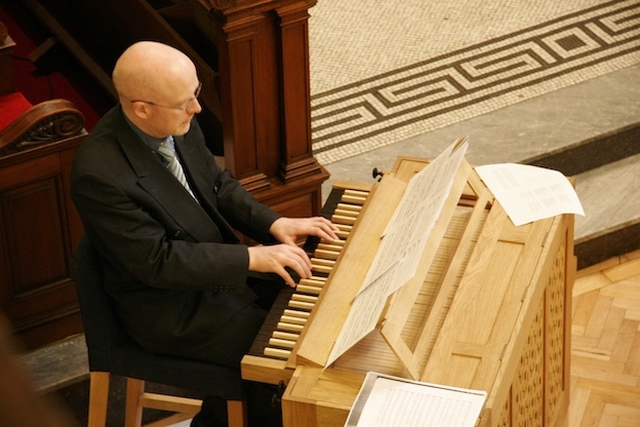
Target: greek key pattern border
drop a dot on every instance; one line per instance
(406, 102)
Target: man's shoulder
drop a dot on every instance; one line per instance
(101, 143)
(110, 121)
(106, 130)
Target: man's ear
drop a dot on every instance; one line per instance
(140, 109)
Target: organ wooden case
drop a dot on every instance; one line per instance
(489, 309)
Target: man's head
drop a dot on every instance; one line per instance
(157, 86)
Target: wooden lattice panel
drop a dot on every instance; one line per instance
(527, 391)
(505, 416)
(539, 388)
(555, 336)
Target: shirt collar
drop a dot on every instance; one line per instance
(148, 140)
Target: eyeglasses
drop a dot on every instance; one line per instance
(185, 107)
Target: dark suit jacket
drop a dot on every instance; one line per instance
(174, 267)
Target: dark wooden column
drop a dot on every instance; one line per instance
(263, 58)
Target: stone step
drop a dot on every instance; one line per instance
(592, 153)
(606, 170)
(610, 197)
(58, 365)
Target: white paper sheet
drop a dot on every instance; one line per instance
(417, 213)
(530, 193)
(387, 401)
(363, 316)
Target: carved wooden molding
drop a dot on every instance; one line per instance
(44, 123)
(222, 4)
(235, 9)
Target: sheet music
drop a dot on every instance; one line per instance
(397, 258)
(364, 314)
(387, 401)
(414, 218)
(530, 193)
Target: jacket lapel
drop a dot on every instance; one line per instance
(165, 189)
(202, 182)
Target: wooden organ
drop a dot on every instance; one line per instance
(489, 309)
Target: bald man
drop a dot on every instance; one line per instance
(174, 266)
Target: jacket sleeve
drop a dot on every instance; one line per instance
(243, 211)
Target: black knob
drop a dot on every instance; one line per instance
(276, 399)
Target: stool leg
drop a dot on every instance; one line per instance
(133, 409)
(237, 414)
(98, 399)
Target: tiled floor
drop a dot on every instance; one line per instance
(518, 84)
(548, 123)
(383, 74)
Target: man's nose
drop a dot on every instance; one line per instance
(194, 106)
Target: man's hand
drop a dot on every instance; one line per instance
(289, 230)
(274, 259)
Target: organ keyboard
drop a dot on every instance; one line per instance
(292, 308)
(489, 308)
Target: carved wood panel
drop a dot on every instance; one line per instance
(38, 232)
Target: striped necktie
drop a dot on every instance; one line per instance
(168, 151)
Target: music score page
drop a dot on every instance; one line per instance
(387, 401)
(414, 218)
(402, 244)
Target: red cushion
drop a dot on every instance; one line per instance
(11, 106)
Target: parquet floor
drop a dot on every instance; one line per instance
(605, 355)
